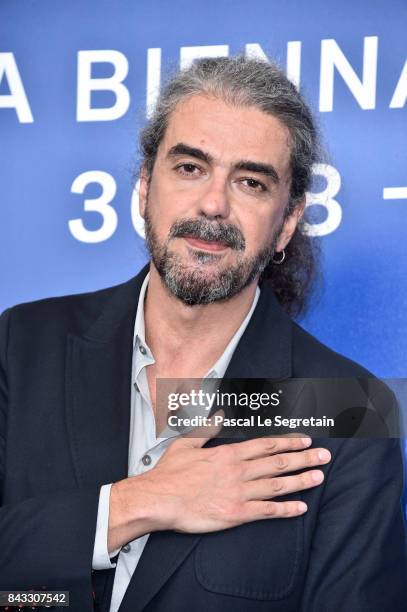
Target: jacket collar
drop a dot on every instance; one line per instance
(264, 351)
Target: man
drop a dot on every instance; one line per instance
(93, 499)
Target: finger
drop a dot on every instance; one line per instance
(267, 488)
(285, 462)
(258, 510)
(263, 447)
(200, 435)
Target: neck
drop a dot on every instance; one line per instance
(195, 336)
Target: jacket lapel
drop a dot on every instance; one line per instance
(98, 385)
(264, 351)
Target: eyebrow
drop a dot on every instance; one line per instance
(259, 168)
(184, 149)
(244, 164)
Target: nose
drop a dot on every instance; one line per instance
(214, 201)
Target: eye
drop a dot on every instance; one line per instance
(254, 185)
(187, 169)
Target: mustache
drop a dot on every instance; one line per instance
(209, 230)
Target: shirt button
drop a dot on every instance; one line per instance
(126, 548)
(142, 349)
(146, 460)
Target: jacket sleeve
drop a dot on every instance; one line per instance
(45, 541)
(358, 552)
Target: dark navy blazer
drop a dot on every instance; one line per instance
(65, 371)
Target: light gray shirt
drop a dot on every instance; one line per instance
(145, 449)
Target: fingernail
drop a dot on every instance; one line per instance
(324, 455)
(302, 507)
(317, 476)
(306, 441)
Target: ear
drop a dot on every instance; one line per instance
(290, 225)
(143, 189)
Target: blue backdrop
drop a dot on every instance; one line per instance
(76, 80)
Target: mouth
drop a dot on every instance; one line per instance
(206, 245)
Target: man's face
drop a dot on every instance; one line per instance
(214, 205)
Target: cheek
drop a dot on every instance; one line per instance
(167, 205)
(161, 211)
(259, 232)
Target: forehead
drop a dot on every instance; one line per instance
(228, 133)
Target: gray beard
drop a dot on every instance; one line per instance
(195, 286)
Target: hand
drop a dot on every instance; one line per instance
(209, 489)
(196, 490)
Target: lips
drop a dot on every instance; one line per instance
(205, 245)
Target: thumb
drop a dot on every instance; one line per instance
(201, 435)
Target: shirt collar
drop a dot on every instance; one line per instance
(139, 325)
(219, 368)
